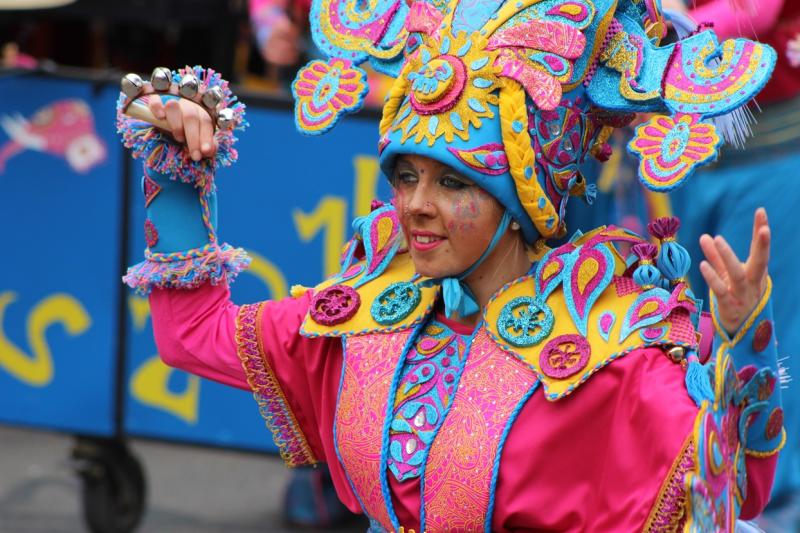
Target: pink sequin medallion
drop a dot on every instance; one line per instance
(762, 336)
(774, 424)
(564, 356)
(334, 305)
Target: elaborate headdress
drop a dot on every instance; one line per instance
(516, 94)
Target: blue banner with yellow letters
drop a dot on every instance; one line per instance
(289, 201)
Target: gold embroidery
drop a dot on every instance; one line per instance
(668, 512)
(272, 403)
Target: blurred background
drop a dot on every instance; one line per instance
(96, 434)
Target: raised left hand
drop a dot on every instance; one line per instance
(737, 286)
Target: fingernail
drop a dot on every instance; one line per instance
(206, 147)
(196, 155)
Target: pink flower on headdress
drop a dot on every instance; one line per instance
(793, 51)
(669, 149)
(324, 91)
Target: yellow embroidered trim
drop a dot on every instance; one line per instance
(272, 403)
(521, 159)
(669, 510)
(779, 447)
(747, 323)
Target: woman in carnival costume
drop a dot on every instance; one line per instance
(457, 374)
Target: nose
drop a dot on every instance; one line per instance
(418, 201)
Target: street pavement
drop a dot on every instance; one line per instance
(190, 489)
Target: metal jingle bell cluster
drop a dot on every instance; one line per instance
(133, 86)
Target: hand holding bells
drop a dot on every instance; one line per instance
(183, 249)
(183, 85)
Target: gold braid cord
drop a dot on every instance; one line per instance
(521, 159)
(394, 99)
(669, 511)
(272, 403)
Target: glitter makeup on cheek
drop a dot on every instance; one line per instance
(466, 205)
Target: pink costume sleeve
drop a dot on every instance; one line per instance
(760, 475)
(730, 23)
(258, 347)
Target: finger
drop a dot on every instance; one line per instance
(156, 106)
(191, 127)
(206, 135)
(711, 253)
(759, 221)
(714, 282)
(759, 258)
(175, 120)
(734, 267)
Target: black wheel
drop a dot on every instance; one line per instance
(113, 485)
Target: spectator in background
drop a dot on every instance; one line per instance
(284, 41)
(281, 30)
(12, 57)
(764, 173)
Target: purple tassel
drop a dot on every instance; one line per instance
(664, 228)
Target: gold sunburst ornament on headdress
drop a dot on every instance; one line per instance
(451, 83)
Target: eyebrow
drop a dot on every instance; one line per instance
(403, 162)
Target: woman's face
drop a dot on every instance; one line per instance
(447, 219)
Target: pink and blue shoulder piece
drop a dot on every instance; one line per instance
(686, 84)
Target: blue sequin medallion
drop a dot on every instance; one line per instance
(525, 321)
(395, 303)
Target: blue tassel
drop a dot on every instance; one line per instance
(591, 193)
(698, 380)
(646, 274)
(674, 261)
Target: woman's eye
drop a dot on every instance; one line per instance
(452, 182)
(404, 178)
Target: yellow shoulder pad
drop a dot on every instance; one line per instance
(400, 269)
(566, 333)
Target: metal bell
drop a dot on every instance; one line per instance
(161, 79)
(225, 119)
(676, 353)
(212, 97)
(188, 86)
(131, 84)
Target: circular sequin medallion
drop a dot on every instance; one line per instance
(762, 336)
(525, 321)
(774, 424)
(395, 303)
(334, 305)
(564, 356)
